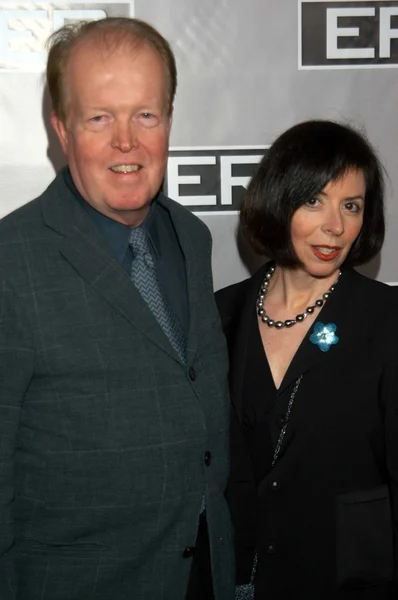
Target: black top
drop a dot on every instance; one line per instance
(259, 395)
(324, 518)
(165, 249)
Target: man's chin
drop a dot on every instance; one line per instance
(128, 212)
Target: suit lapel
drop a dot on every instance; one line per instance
(83, 246)
(195, 267)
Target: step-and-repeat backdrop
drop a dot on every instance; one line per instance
(247, 71)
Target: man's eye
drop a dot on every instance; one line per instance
(97, 119)
(147, 120)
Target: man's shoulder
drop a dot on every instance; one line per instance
(30, 219)
(30, 214)
(179, 211)
(24, 218)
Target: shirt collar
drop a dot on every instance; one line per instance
(116, 234)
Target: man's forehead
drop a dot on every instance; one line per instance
(103, 45)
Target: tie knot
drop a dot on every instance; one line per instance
(139, 241)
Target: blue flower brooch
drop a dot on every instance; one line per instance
(324, 336)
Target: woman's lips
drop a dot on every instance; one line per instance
(326, 253)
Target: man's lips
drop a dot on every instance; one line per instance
(326, 252)
(125, 169)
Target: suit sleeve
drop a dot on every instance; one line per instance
(16, 368)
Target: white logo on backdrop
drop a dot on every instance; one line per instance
(25, 27)
(211, 180)
(356, 34)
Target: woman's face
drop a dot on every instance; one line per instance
(324, 229)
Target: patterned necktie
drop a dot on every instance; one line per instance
(143, 275)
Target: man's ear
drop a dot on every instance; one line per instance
(60, 130)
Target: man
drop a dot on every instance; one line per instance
(113, 368)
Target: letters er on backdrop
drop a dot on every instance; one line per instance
(113, 368)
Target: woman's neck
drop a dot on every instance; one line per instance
(294, 289)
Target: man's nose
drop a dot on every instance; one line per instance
(125, 137)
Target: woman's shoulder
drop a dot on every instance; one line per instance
(232, 298)
(373, 289)
(371, 302)
(230, 292)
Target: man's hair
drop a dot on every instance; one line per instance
(110, 32)
(299, 164)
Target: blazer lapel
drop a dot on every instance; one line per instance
(347, 310)
(83, 246)
(196, 270)
(344, 308)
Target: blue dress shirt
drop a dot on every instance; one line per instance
(165, 249)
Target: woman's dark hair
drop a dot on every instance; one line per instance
(299, 164)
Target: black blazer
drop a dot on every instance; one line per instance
(325, 517)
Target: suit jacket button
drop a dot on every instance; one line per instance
(192, 374)
(274, 486)
(271, 549)
(207, 459)
(188, 552)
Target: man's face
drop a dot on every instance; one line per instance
(117, 132)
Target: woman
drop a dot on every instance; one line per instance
(313, 489)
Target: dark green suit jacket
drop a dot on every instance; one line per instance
(103, 431)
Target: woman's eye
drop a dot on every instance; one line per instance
(352, 207)
(312, 202)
